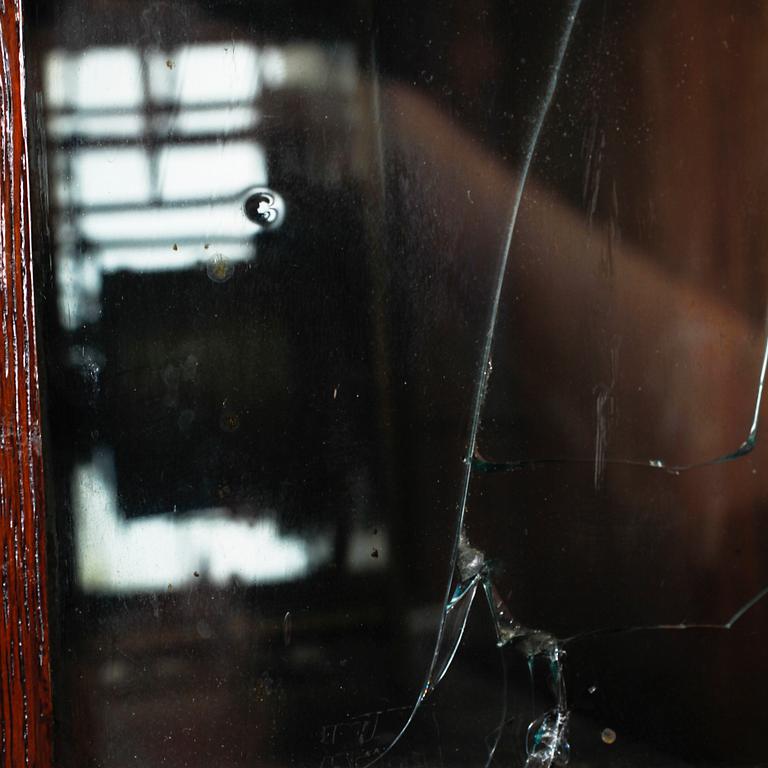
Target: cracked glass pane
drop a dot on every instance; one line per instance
(403, 372)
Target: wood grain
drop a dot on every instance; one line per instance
(25, 704)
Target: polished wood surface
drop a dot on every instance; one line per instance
(25, 704)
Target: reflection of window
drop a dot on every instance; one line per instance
(153, 149)
(152, 153)
(116, 555)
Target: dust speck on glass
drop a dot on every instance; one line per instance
(403, 378)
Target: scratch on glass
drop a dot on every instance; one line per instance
(548, 737)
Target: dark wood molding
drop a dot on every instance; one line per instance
(25, 704)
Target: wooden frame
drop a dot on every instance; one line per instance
(25, 698)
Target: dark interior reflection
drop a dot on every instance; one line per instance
(257, 423)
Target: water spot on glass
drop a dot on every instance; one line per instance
(196, 574)
(264, 207)
(592, 689)
(287, 626)
(189, 368)
(608, 736)
(175, 246)
(230, 421)
(267, 683)
(204, 629)
(170, 375)
(219, 268)
(186, 417)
